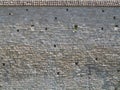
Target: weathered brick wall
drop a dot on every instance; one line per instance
(59, 48)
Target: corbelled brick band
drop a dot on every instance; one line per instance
(105, 3)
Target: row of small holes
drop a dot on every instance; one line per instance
(75, 27)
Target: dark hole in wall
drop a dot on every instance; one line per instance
(76, 63)
(103, 10)
(32, 25)
(26, 9)
(18, 30)
(54, 45)
(96, 58)
(55, 18)
(3, 64)
(46, 28)
(75, 26)
(102, 28)
(10, 14)
(58, 73)
(116, 25)
(114, 17)
(118, 70)
(67, 9)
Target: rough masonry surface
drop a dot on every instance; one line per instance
(59, 48)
